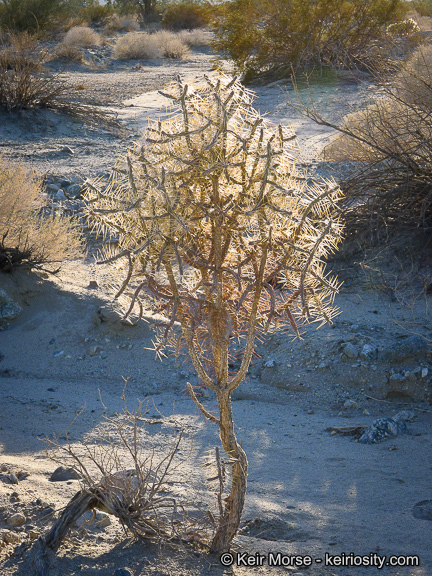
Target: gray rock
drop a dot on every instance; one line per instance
(74, 190)
(123, 572)
(383, 428)
(61, 474)
(423, 510)
(369, 352)
(8, 308)
(16, 519)
(409, 347)
(350, 404)
(350, 351)
(60, 195)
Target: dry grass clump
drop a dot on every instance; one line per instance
(137, 46)
(82, 36)
(391, 140)
(195, 38)
(117, 24)
(28, 236)
(68, 52)
(171, 45)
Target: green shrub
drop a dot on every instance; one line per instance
(95, 13)
(29, 15)
(275, 35)
(28, 237)
(423, 7)
(185, 16)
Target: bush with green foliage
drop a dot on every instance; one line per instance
(423, 7)
(29, 15)
(185, 16)
(274, 36)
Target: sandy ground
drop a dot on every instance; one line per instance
(310, 493)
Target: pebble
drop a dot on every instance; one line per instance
(350, 351)
(61, 474)
(350, 404)
(9, 309)
(9, 537)
(423, 510)
(16, 519)
(369, 352)
(58, 353)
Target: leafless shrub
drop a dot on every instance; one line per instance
(82, 36)
(124, 474)
(137, 45)
(28, 237)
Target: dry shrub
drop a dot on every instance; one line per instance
(196, 38)
(28, 235)
(68, 52)
(82, 36)
(185, 16)
(391, 142)
(136, 46)
(171, 45)
(117, 24)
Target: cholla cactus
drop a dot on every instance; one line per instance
(211, 216)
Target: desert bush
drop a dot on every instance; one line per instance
(171, 45)
(274, 36)
(117, 24)
(29, 236)
(82, 36)
(185, 16)
(137, 45)
(29, 15)
(423, 7)
(390, 190)
(209, 214)
(408, 27)
(195, 38)
(95, 13)
(68, 52)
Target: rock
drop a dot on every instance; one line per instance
(93, 285)
(403, 385)
(61, 474)
(350, 404)
(16, 519)
(123, 572)
(104, 521)
(409, 347)
(270, 364)
(423, 510)
(369, 352)
(9, 537)
(350, 351)
(94, 350)
(384, 428)
(9, 309)
(74, 190)
(60, 195)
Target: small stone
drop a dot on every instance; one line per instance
(423, 510)
(104, 521)
(350, 351)
(16, 519)
(269, 364)
(350, 404)
(33, 534)
(11, 478)
(9, 309)
(368, 352)
(58, 353)
(123, 572)
(61, 474)
(93, 285)
(323, 365)
(60, 195)
(424, 372)
(94, 350)
(74, 190)
(397, 377)
(9, 537)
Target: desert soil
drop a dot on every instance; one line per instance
(311, 492)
